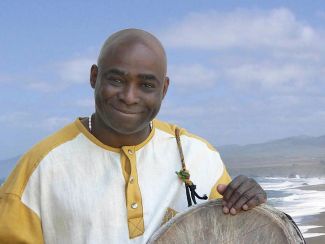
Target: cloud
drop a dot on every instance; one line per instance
(57, 77)
(264, 50)
(85, 103)
(320, 14)
(14, 117)
(50, 123)
(43, 86)
(285, 77)
(213, 30)
(75, 70)
(191, 75)
(5, 79)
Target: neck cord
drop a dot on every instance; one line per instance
(89, 123)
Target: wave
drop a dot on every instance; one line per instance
(285, 195)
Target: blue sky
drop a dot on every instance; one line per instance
(241, 71)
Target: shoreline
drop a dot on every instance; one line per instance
(320, 187)
(316, 220)
(319, 220)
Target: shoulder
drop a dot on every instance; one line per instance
(41, 149)
(185, 135)
(16, 182)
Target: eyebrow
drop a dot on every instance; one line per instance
(116, 72)
(119, 72)
(147, 77)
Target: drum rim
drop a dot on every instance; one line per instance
(270, 212)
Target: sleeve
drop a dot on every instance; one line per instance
(18, 223)
(224, 179)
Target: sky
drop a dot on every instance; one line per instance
(241, 72)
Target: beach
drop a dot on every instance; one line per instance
(317, 220)
(303, 199)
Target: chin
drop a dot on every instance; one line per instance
(127, 129)
(124, 125)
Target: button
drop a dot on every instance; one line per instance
(134, 205)
(130, 151)
(131, 180)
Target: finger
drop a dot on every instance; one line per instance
(251, 198)
(225, 210)
(256, 200)
(242, 194)
(221, 188)
(232, 186)
(233, 211)
(245, 207)
(244, 198)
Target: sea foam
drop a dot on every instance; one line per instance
(298, 203)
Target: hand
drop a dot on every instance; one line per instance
(242, 193)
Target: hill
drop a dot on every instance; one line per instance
(300, 155)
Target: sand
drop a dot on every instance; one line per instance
(318, 220)
(313, 188)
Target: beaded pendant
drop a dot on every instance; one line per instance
(184, 175)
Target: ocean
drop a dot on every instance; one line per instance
(302, 205)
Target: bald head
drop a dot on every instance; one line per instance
(131, 37)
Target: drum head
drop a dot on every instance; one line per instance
(206, 223)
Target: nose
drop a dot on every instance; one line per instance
(129, 94)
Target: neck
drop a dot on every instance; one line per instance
(112, 138)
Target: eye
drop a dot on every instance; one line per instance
(148, 85)
(115, 81)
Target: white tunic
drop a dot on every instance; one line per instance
(72, 188)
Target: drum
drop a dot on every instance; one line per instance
(206, 223)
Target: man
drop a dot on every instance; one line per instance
(110, 178)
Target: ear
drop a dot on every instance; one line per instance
(93, 75)
(166, 84)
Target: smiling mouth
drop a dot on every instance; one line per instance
(126, 111)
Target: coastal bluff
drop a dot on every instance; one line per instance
(301, 156)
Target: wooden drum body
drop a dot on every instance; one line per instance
(206, 223)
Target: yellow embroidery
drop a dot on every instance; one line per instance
(170, 213)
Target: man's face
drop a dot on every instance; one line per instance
(129, 88)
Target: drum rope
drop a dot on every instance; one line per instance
(184, 175)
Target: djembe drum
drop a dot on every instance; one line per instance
(206, 223)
